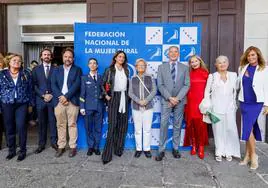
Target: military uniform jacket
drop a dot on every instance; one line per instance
(91, 96)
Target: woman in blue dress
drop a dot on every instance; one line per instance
(253, 97)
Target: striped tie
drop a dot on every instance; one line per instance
(173, 71)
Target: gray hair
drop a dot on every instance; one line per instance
(140, 59)
(222, 58)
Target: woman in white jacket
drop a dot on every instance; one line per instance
(221, 88)
(253, 97)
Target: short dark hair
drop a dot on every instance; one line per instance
(34, 62)
(68, 49)
(45, 49)
(92, 58)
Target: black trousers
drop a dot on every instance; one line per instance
(117, 128)
(14, 116)
(46, 119)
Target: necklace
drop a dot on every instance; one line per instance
(14, 74)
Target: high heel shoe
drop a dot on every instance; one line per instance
(245, 161)
(201, 152)
(193, 151)
(254, 162)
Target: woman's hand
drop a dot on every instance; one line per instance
(265, 110)
(107, 97)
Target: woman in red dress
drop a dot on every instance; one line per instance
(196, 130)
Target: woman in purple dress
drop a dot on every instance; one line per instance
(253, 97)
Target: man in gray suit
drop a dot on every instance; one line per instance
(173, 83)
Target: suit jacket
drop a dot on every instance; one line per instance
(73, 84)
(166, 86)
(91, 97)
(259, 84)
(41, 84)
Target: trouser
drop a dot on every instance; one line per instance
(15, 121)
(165, 115)
(117, 128)
(142, 123)
(93, 123)
(66, 115)
(47, 119)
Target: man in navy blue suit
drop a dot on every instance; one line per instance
(91, 106)
(45, 110)
(66, 92)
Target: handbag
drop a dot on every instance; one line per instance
(146, 89)
(205, 107)
(108, 84)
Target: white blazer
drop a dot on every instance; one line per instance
(223, 95)
(259, 84)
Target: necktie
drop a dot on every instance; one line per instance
(173, 72)
(47, 71)
(94, 78)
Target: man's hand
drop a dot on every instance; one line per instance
(173, 100)
(63, 100)
(48, 97)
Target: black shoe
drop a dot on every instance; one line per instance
(59, 152)
(160, 156)
(10, 156)
(176, 154)
(137, 154)
(97, 151)
(119, 153)
(147, 154)
(54, 146)
(72, 152)
(21, 157)
(105, 162)
(39, 149)
(90, 151)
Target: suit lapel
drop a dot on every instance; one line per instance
(178, 72)
(168, 71)
(61, 72)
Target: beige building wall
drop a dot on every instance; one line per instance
(256, 25)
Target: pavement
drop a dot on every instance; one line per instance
(44, 170)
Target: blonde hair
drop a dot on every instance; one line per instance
(202, 63)
(2, 60)
(244, 58)
(10, 56)
(140, 59)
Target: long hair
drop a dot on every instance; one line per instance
(244, 58)
(124, 65)
(202, 63)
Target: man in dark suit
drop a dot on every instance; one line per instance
(91, 106)
(65, 87)
(45, 110)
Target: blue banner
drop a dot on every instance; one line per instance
(147, 41)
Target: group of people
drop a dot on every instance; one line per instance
(60, 93)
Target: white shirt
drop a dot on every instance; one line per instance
(45, 66)
(92, 75)
(15, 82)
(66, 73)
(120, 81)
